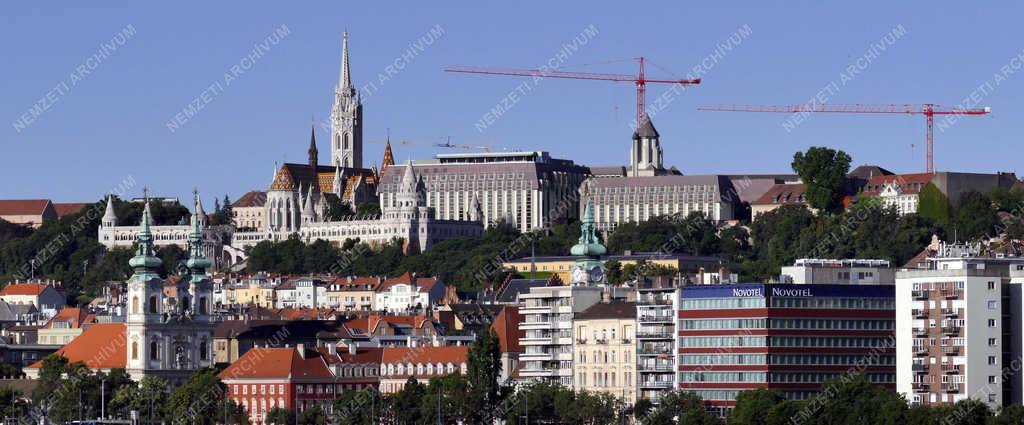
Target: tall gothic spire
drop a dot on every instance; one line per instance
(145, 262)
(313, 160)
(389, 158)
(345, 79)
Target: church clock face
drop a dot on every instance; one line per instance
(579, 275)
(597, 275)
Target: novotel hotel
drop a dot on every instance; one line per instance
(787, 337)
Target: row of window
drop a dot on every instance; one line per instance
(419, 369)
(786, 341)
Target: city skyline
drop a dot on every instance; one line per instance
(125, 108)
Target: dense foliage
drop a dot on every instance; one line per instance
(823, 170)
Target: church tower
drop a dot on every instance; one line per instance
(145, 299)
(645, 155)
(346, 118)
(314, 158)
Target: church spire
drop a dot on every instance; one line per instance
(197, 262)
(389, 158)
(145, 262)
(345, 79)
(313, 160)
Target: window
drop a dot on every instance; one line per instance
(993, 304)
(992, 342)
(991, 379)
(991, 286)
(152, 305)
(153, 351)
(135, 348)
(135, 305)
(991, 323)
(991, 360)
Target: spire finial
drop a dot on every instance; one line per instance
(345, 80)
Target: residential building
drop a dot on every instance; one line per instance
(28, 212)
(656, 349)
(46, 296)
(506, 327)
(399, 364)
(548, 324)
(249, 210)
(787, 337)
(353, 293)
(67, 208)
(258, 290)
(289, 378)
(852, 271)
(605, 350)
(407, 293)
(65, 326)
(302, 292)
(779, 195)
(901, 190)
(959, 325)
(382, 326)
(530, 190)
(233, 338)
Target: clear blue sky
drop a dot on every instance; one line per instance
(112, 122)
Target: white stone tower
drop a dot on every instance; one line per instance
(645, 157)
(346, 118)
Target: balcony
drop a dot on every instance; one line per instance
(535, 340)
(654, 351)
(920, 332)
(951, 388)
(654, 335)
(920, 314)
(951, 350)
(601, 341)
(920, 350)
(581, 341)
(921, 386)
(952, 294)
(951, 330)
(539, 355)
(656, 318)
(535, 373)
(951, 369)
(535, 308)
(627, 340)
(536, 324)
(920, 295)
(919, 368)
(655, 384)
(654, 367)
(950, 313)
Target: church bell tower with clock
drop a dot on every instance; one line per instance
(588, 270)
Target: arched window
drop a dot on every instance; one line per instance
(202, 306)
(135, 305)
(135, 348)
(152, 304)
(202, 350)
(153, 351)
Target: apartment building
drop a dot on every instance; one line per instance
(959, 326)
(548, 323)
(656, 348)
(605, 349)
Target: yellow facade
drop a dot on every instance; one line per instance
(563, 266)
(251, 295)
(605, 357)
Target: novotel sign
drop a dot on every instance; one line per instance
(758, 290)
(792, 292)
(747, 292)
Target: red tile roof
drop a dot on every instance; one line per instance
(23, 206)
(100, 346)
(349, 284)
(76, 317)
(784, 194)
(908, 183)
(65, 208)
(453, 354)
(276, 363)
(24, 289)
(506, 326)
(254, 198)
(423, 284)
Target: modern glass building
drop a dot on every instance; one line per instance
(787, 337)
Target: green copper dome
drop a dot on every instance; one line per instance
(588, 245)
(145, 262)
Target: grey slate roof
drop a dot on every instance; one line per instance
(518, 286)
(646, 130)
(610, 310)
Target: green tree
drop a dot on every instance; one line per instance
(13, 404)
(1011, 415)
(281, 416)
(614, 272)
(824, 171)
(313, 415)
(405, 404)
(483, 370)
(335, 209)
(761, 407)
(852, 399)
(975, 216)
(357, 407)
(195, 401)
(933, 204)
(368, 209)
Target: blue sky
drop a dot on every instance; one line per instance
(98, 128)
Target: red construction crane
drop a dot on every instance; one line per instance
(929, 110)
(640, 80)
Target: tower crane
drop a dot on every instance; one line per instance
(640, 79)
(929, 110)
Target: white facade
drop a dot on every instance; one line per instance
(952, 328)
(828, 271)
(405, 297)
(892, 196)
(303, 293)
(548, 322)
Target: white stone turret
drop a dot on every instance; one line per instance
(109, 217)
